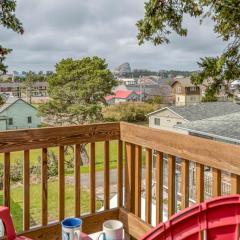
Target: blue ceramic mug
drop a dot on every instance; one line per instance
(71, 229)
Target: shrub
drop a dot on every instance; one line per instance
(130, 112)
(17, 171)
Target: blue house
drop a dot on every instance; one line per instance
(18, 114)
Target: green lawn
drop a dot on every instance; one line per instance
(35, 203)
(35, 155)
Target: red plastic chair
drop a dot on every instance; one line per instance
(217, 219)
(8, 224)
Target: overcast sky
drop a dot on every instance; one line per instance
(56, 29)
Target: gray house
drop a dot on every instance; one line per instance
(225, 128)
(18, 114)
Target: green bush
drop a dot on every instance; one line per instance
(130, 112)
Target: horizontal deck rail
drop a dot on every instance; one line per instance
(163, 171)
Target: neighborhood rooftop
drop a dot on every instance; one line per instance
(226, 127)
(203, 110)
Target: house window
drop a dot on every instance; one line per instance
(179, 90)
(29, 119)
(157, 121)
(192, 89)
(10, 121)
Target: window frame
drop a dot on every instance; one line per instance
(10, 121)
(29, 118)
(158, 119)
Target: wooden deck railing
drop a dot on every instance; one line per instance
(144, 149)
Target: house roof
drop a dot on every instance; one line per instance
(162, 90)
(184, 81)
(226, 127)
(202, 110)
(121, 94)
(10, 101)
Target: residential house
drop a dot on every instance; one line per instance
(10, 88)
(224, 89)
(127, 81)
(224, 128)
(121, 96)
(185, 93)
(163, 91)
(171, 118)
(18, 114)
(38, 92)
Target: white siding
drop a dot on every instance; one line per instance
(168, 120)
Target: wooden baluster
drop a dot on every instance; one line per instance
(159, 187)
(148, 210)
(77, 177)
(129, 177)
(92, 179)
(26, 191)
(120, 173)
(61, 185)
(171, 184)
(235, 184)
(106, 175)
(44, 168)
(216, 182)
(6, 180)
(185, 183)
(199, 182)
(138, 177)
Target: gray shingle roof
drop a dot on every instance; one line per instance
(206, 110)
(225, 127)
(184, 81)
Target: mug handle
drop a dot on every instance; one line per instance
(104, 236)
(78, 234)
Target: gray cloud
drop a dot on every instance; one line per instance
(76, 28)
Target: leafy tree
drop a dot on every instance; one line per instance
(8, 20)
(164, 17)
(77, 91)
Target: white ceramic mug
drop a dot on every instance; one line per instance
(71, 229)
(112, 230)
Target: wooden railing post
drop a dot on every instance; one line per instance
(138, 178)
(185, 183)
(26, 191)
(199, 183)
(77, 176)
(148, 208)
(44, 180)
(61, 185)
(235, 184)
(120, 173)
(216, 182)
(106, 175)
(171, 185)
(6, 180)
(129, 177)
(92, 179)
(159, 187)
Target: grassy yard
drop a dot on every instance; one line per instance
(35, 203)
(35, 155)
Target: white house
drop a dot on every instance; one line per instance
(18, 114)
